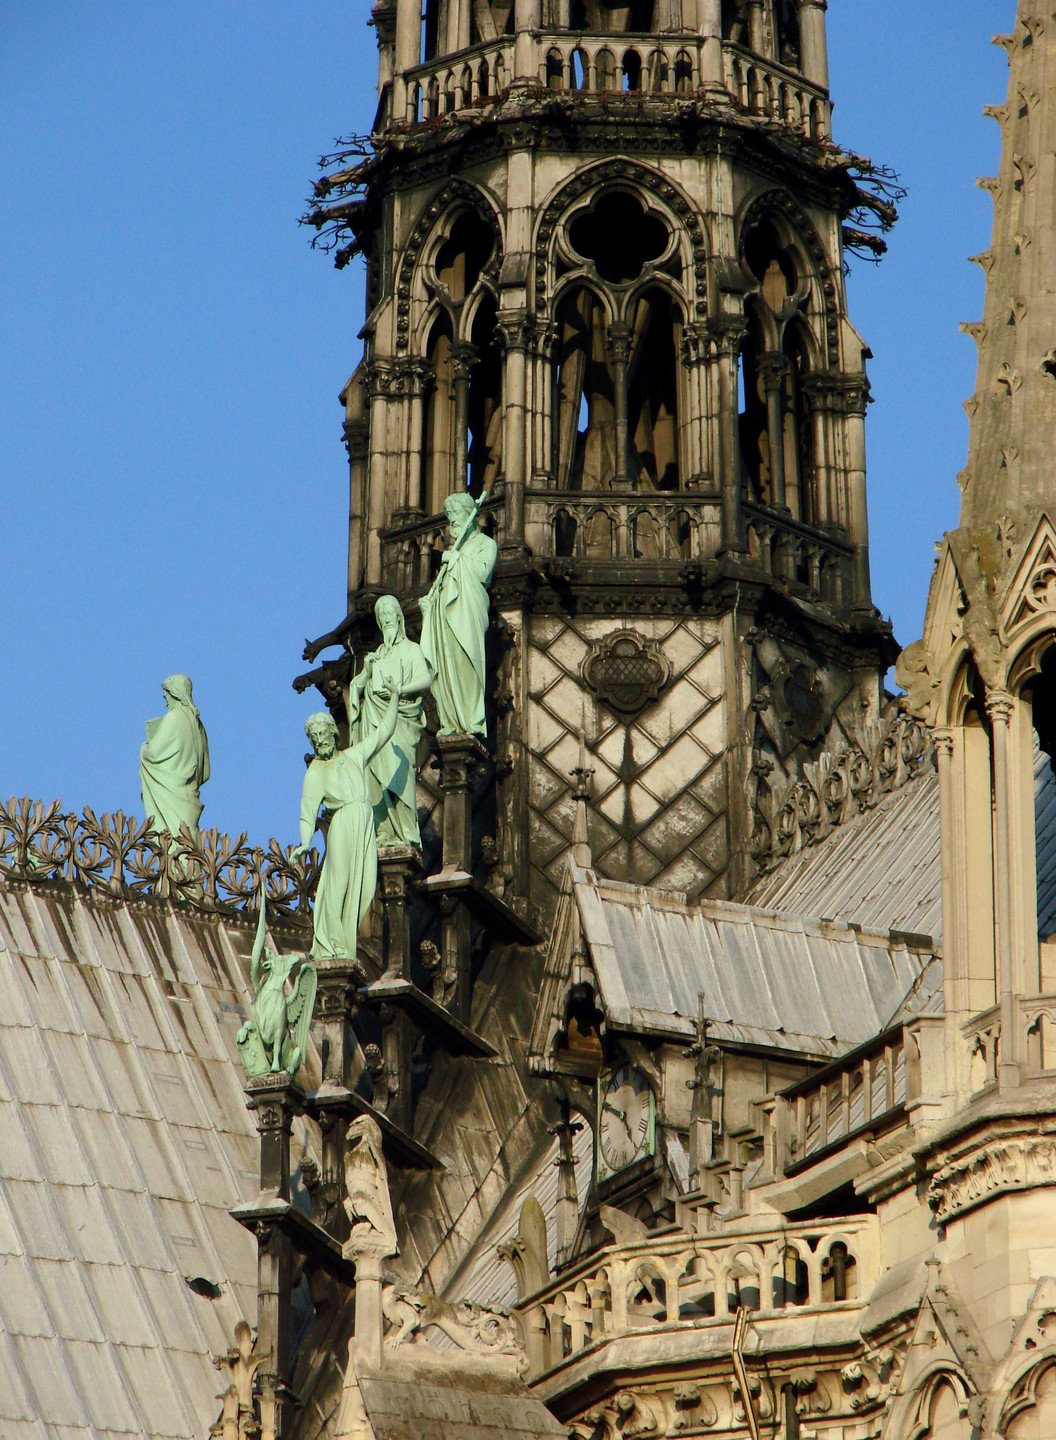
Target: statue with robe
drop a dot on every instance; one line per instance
(393, 772)
(455, 619)
(336, 782)
(174, 760)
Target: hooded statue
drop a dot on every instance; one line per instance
(393, 772)
(174, 760)
(455, 620)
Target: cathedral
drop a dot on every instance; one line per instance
(690, 1076)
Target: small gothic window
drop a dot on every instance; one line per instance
(1043, 716)
(619, 235)
(462, 419)
(437, 430)
(464, 254)
(839, 1274)
(786, 25)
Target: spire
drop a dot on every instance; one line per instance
(1011, 472)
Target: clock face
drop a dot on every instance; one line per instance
(625, 1120)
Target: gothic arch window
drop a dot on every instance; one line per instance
(1032, 1405)
(618, 377)
(653, 384)
(735, 21)
(462, 418)
(1041, 695)
(942, 1415)
(484, 401)
(777, 423)
(786, 32)
(584, 402)
(979, 838)
(437, 427)
(798, 428)
(752, 419)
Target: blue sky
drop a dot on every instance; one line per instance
(174, 486)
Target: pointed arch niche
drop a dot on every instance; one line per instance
(779, 419)
(461, 358)
(619, 399)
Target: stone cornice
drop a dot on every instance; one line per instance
(649, 129)
(1004, 1143)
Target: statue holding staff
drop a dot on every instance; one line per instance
(455, 619)
(392, 774)
(174, 760)
(336, 781)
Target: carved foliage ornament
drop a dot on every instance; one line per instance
(124, 857)
(836, 787)
(626, 671)
(469, 1327)
(1017, 1164)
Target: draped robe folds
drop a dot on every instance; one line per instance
(173, 763)
(350, 865)
(392, 774)
(454, 624)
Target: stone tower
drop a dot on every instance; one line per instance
(605, 275)
(983, 676)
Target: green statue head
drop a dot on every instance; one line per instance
(388, 612)
(458, 508)
(322, 732)
(177, 691)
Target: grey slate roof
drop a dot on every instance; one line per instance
(880, 869)
(124, 1140)
(766, 979)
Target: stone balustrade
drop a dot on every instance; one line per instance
(629, 525)
(459, 82)
(611, 525)
(1038, 1021)
(679, 1280)
(865, 1090)
(764, 88)
(982, 1037)
(412, 545)
(631, 64)
(808, 559)
(577, 62)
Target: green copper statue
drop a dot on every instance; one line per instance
(264, 1042)
(455, 619)
(392, 773)
(336, 782)
(174, 760)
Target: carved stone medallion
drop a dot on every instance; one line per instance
(626, 671)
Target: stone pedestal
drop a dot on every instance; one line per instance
(462, 758)
(399, 867)
(276, 1100)
(338, 982)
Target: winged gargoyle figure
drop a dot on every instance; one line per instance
(265, 1042)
